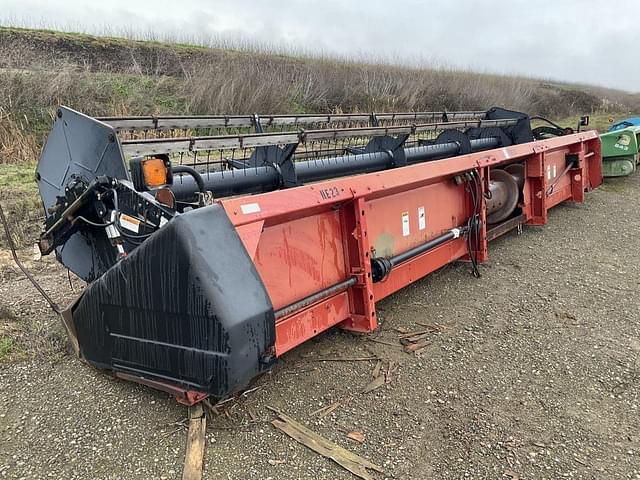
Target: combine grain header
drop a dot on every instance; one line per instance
(213, 245)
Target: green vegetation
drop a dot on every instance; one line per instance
(7, 346)
(18, 176)
(17, 186)
(20, 202)
(597, 121)
(22, 336)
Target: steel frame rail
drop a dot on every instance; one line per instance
(266, 121)
(154, 146)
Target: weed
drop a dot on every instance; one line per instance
(6, 347)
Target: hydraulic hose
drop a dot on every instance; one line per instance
(197, 177)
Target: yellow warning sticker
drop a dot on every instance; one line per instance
(130, 223)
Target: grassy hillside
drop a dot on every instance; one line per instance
(41, 69)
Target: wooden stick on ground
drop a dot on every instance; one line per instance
(343, 457)
(434, 327)
(417, 333)
(342, 359)
(416, 347)
(194, 456)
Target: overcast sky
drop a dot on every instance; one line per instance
(572, 40)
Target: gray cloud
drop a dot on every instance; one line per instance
(582, 41)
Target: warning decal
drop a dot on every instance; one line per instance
(422, 219)
(405, 224)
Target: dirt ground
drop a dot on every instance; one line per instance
(533, 375)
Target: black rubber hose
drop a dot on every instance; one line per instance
(190, 171)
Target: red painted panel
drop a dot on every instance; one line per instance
(555, 164)
(393, 221)
(300, 257)
(298, 328)
(250, 235)
(560, 194)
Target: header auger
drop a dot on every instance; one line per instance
(213, 245)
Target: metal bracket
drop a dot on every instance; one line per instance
(393, 146)
(451, 136)
(255, 120)
(573, 161)
(280, 158)
(518, 133)
(475, 133)
(354, 150)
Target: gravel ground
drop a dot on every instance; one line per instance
(533, 375)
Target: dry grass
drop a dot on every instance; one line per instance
(30, 97)
(261, 79)
(20, 202)
(17, 142)
(263, 84)
(23, 336)
(105, 76)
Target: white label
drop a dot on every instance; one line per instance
(554, 171)
(130, 223)
(248, 208)
(163, 222)
(422, 219)
(548, 172)
(405, 224)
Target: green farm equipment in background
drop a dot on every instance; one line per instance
(620, 150)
